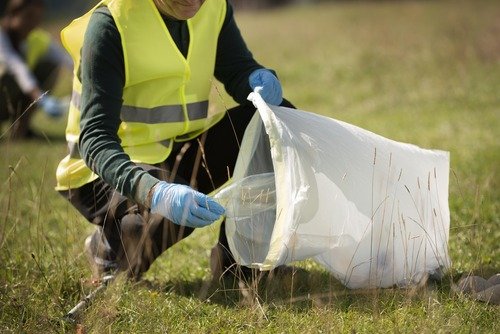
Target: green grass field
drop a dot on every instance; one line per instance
(425, 72)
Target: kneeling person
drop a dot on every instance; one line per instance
(139, 124)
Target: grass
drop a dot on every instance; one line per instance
(421, 72)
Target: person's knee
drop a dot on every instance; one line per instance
(132, 235)
(131, 244)
(132, 225)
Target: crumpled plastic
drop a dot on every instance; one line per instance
(374, 212)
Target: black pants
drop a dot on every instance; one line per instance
(134, 236)
(15, 105)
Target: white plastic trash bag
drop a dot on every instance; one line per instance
(373, 211)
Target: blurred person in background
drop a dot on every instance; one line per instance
(29, 64)
(139, 125)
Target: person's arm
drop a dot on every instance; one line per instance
(234, 62)
(18, 68)
(103, 77)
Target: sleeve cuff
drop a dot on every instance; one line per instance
(141, 193)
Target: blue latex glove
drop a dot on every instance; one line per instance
(184, 206)
(271, 88)
(51, 106)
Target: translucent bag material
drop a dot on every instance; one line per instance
(372, 211)
(251, 210)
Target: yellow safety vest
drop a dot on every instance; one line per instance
(165, 97)
(37, 44)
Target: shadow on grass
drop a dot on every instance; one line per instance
(300, 291)
(293, 287)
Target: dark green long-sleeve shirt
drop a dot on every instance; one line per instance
(103, 77)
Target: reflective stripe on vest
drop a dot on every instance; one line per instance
(164, 114)
(74, 152)
(156, 115)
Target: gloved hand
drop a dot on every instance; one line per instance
(184, 206)
(271, 88)
(51, 106)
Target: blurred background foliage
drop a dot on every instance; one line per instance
(64, 8)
